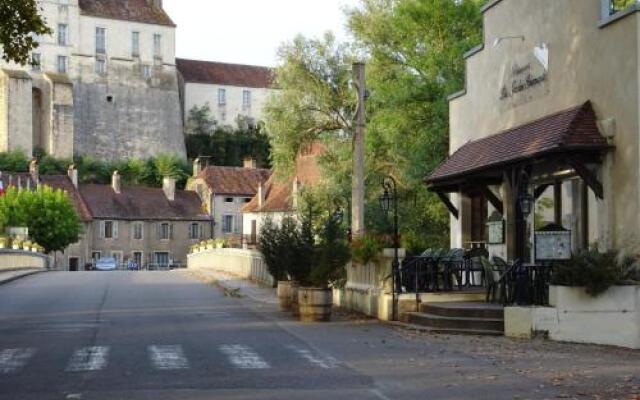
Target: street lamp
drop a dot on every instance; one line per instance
(389, 200)
(526, 203)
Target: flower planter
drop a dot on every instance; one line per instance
(15, 247)
(210, 247)
(285, 294)
(315, 304)
(34, 249)
(26, 248)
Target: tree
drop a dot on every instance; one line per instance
(20, 22)
(48, 213)
(200, 121)
(416, 59)
(314, 101)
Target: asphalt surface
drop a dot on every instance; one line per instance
(163, 335)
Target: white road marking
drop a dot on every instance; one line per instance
(168, 357)
(326, 362)
(11, 360)
(88, 359)
(243, 357)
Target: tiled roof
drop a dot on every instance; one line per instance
(128, 10)
(141, 203)
(572, 129)
(218, 73)
(279, 195)
(234, 180)
(63, 182)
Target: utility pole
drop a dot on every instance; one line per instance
(357, 182)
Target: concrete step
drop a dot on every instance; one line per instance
(464, 310)
(478, 332)
(456, 323)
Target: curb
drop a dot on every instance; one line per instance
(16, 277)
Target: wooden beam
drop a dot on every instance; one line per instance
(540, 190)
(452, 209)
(493, 199)
(588, 177)
(557, 203)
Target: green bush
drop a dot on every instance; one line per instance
(593, 270)
(365, 249)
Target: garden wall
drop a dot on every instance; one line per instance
(245, 264)
(613, 318)
(19, 259)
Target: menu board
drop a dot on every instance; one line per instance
(553, 245)
(496, 232)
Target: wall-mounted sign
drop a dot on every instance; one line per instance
(525, 76)
(495, 226)
(553, 245)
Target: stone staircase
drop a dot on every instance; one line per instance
(460, 318)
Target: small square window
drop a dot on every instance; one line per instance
(247, 199)
(222, 97)
(228, 200)
(62, 64)
(101, 66)
(36, 62)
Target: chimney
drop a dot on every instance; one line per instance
(197, 167)
(33, 171)
(250, 163)
(261, 195)
(169, 188)
(295, 192)
(73, 175)
(115, 182)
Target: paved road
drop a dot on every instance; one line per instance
(166, 336)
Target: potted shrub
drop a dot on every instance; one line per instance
(220, 243)
(4, 242)
(35, 247)
(26, 245)
(275, 253)
(365, 249)
(210, 244)
(315, 295)
(16, 244)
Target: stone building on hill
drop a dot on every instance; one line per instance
(103, 84)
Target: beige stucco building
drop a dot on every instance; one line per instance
(550, 108)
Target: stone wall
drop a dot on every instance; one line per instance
(245, 264)
(18, 259)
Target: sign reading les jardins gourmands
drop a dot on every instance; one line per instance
(524, 77)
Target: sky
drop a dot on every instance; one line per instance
(250, 31)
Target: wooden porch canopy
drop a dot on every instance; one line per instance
(567, 138)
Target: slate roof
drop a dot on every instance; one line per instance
(141, 203)
(126, 10)
(279, 194)
(194, 71)
(572, 129)
(235, 181)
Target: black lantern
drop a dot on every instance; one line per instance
(526, 203)
(386, 201)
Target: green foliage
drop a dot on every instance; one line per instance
(49, 215)
(619, 5)
(14, 161)
(20, 23)
(593, 270)
(200, 121)
(365, 249)
(314, 101)
(229, 148)
(333, 253)
(270, 247)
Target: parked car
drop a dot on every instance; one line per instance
(106, 264)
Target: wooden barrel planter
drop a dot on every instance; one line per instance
(293, 292)
(284, 295)
(315, 304)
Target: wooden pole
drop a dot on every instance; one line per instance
(357, 184)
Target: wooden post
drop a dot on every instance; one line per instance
(357, 183)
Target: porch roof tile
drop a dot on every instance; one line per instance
(572, 129)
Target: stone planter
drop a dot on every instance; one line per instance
(284, 295)
(210, 247)
(34, 249)
(15, 247)
(613, 318)
(315, 304)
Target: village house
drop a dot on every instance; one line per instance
(235, 93)
(224, 191)
(155, 227)
(103, 84)
(539, 119)
(277, 199)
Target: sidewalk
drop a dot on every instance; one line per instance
(12, 275)
(238, 287)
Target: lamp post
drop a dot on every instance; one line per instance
(389, 200)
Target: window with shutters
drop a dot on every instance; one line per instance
(137, 231)
(109, 229)
(194, 231)
(227, 223)
(135, 44)
(101, 40)
(157, 46)
(62, 34)
(164, 231)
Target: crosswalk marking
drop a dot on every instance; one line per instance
(168, 357)
(322, 362)
(88, 359)
(243, 357)
(12, 360)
